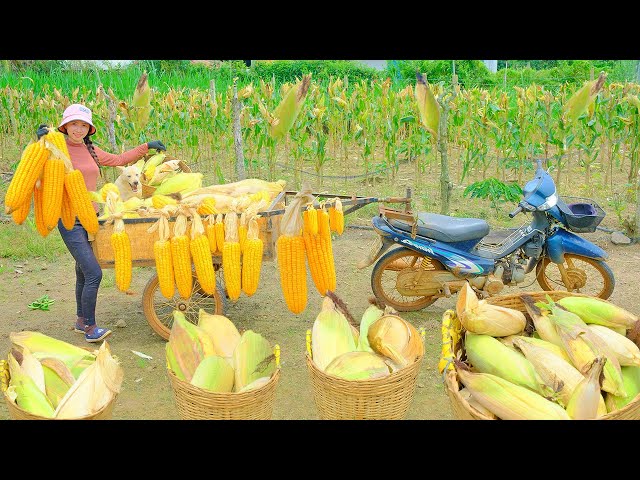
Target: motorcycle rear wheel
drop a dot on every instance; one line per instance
(383, 280)
(586, 276)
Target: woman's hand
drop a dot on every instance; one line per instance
(157, 144)
(43, 129)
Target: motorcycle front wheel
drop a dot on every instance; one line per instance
(384, 276)
(582, 275)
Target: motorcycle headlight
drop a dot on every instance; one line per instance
(549, 203)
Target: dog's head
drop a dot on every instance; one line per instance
(131, 175)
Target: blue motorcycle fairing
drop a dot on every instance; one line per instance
(562, 241)
(452, 258)
(537, 191)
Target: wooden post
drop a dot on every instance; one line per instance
(237, 133)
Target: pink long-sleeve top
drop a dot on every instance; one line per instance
(82, 160)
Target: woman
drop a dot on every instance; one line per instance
(77, 125)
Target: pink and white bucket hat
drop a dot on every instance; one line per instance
(76, 112)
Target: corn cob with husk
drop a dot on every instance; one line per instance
(336, 217)
(252, 258)
(582, 99)
(141, 102)
(506, 400)
(631, 380)
(450, 331)
(372, 313)
(427, 105)
(317, 253)
(181, 182)
(188, 345)
(396, 339)
(544, 326)
(479, 316)
(538, 342)
(150, 165)
(159, 201)
(210, 230)
(207, 206)
(626, 352)
(287, 111)
(181, 255)
(596, 311)
(120, 243)
(162, 253)
(331, 335)
(222, 331)
(219, 231)
(201, 255)
(290, 250)
(586, 398)
(27, 172)
(231, 257)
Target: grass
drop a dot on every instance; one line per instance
(19, 242)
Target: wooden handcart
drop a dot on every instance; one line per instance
(157, 309)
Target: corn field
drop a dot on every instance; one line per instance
(364, 129)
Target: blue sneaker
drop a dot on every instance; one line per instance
(93, 333)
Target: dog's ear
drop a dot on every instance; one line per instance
(120, 168)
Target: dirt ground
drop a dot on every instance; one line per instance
(146, 392)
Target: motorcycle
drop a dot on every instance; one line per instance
(436, 254)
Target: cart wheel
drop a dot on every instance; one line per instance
(159, 310)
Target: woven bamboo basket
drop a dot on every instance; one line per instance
(195, 403)
(18, 413)
(461, 408)
(147, 190)
(386, 398)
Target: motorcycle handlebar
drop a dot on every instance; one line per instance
(515, 212)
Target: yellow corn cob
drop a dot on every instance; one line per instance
(450, 331)
(310, 218)
(201, 255)
(59, 142)
(210, 230)
(160, 201)
(122, 259)
(20, 214)
(181, 255)
(67, 215)
(164, 267)
(252, 259)
(509, 401)
(38, 213)
(106, 188)
(52, 189)
(336, 217)
(219, 227)
(242, 231)
(231, 257)
(27, 173)
(316, 261)
(586, 397)
(324, 233)
(81, 201)
(293, 275)
(207, 206)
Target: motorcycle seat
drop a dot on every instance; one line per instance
(445, 228)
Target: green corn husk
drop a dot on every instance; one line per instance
(253, 358)
(57, 379)
(370, 315)
(331, 335)
(488, 355)
(507, 400)
(287, 111)
(215, 374)
(544, 326)
(358, 365)
(597, 311)
(142, 102)
(257, 383)
(538, 342)
(24, 391)
(427, 105)
(631, 380)
(582, 99)
(172, 363)
(42, 346)
(189, 344)
(583, 404)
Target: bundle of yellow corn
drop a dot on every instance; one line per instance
(231, 256)
(317, 245)
(54, 379)
(215, 356)
(27, 172)
(252, 259)
(201, 254)
(290, 250)
(558, 367)
(181, 255)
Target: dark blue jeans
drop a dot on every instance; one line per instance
(88, 271)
